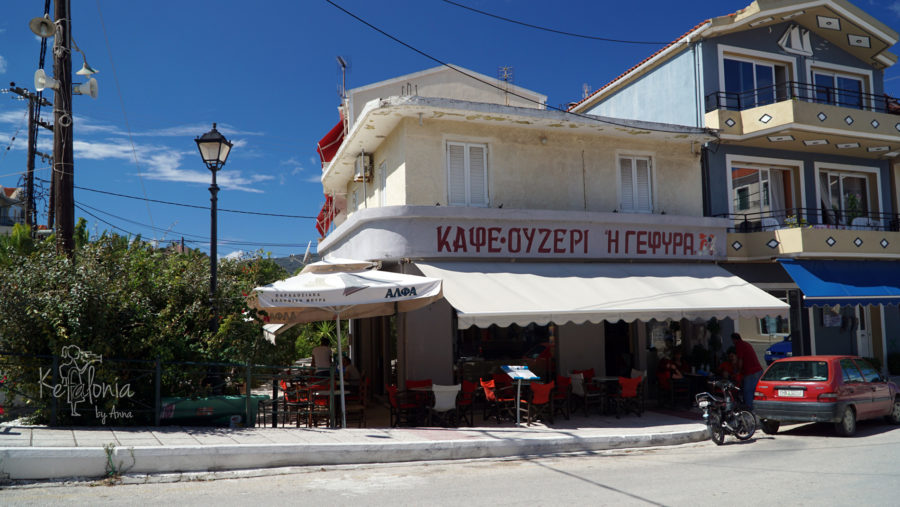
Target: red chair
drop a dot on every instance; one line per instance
(421, 390)
(630, 397)
(562, 396)
(294, 402)
(466, 402)
(498, 404)
(404, 409)
(539, 402)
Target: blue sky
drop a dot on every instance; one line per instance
(266, 72)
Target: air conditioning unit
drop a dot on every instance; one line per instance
(363, 167)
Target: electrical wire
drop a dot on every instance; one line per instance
(551, 30)
(198, 238)
(492, 85)
(194, 206)
(124, 113)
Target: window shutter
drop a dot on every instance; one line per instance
(627, 190)
(456, 174)
(477, 176)
(642, 181)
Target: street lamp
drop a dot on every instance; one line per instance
(214, 149)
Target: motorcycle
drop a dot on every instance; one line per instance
(723, 414)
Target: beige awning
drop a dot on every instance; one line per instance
(504, 293)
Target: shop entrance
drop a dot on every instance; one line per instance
(618, 351)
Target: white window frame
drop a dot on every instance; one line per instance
(633, 156)
(764, 162)
(467, 148)
(848, 170)
(736, 53)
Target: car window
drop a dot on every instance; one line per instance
(797, 370)
(850, 371)
(868, 371)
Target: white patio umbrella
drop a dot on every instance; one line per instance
(327, 290)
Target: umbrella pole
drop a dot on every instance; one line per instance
(340, 366)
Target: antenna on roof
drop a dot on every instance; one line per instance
(505, 74)
(342, 88)
(585, 91)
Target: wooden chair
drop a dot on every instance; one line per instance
(498, 402)
(465, 403)
(587, 397)
(562, 396)
(630, 397)
(443, 407)
(355, 408)
(539, 402)
(405, 410)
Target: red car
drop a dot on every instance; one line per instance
(837, 389)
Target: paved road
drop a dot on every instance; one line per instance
(802, 465)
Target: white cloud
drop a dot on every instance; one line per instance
(15, 117)
(2, 63)
(895, 7)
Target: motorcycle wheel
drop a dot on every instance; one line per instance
(745, 425)
(716, 430)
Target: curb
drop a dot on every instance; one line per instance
(42, 463)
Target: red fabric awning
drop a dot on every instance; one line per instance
(330, 144)
(326, 215)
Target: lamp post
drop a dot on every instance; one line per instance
(214, 149)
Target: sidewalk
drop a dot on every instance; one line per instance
(38, 453)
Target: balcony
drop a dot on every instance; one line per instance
(803, 117)
(812, 233)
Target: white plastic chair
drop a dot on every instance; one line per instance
(444, 406)
(770, 224)
(864, 224)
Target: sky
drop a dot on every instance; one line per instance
(266, 72)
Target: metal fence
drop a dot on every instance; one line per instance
(77, 388)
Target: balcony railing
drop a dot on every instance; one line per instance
(738, 101)
(812, 217)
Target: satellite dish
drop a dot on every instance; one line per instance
(89, 88)
(42, 27)
(42, 80)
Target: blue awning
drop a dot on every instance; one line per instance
(845, 282)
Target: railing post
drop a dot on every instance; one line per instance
(157, 390)
(247, 375)
(275, 400)
(54, 401)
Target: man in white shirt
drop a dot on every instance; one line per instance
(321, 356)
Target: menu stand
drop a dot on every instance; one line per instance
(519, 373)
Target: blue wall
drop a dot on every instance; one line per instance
(667, 94)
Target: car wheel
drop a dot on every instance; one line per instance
(769, 426)
(894, 416)
(846, 427)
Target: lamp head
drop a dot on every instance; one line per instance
(214, 149)
(43, 27)
(87, 70)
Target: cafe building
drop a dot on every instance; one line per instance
(563, 241)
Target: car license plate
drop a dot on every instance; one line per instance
(790, 393)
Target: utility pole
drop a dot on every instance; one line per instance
(34, 122)
(63, 158)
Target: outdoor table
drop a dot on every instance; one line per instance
(606, 390)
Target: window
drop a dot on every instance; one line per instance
(844, 196)
(467, 174)
(838, 89)
(750, 84)
(776, 325)
(761, 192)
(850, 372)
(636, 182)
